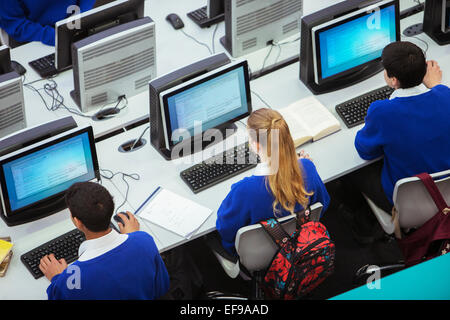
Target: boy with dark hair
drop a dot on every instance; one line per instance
(110, 265)
(411, 129)
(34, 20)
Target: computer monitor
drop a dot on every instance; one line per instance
(85, 24)
(251, 25)
(208, 15)
(342, 45)
(12, 104)
(193, 113)
(5, 60)
(34, 180)
(114, 63)
(445, 16)
(215, 8)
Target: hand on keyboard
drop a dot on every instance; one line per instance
(51, 267)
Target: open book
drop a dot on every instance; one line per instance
(309, 120)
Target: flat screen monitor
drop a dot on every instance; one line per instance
(5, 60)
(445, 16)
(215, 8)
(344, 45)
(85, 24)
(210, 101)
(36, 176)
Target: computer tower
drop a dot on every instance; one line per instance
(170, 80)
(116, 62)
(254, 24)
(12, 106)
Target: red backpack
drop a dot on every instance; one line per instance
(304, 259)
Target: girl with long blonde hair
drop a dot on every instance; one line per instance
(283, 183)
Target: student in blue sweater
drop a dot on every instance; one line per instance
(34, 20)
(110, 266)
(410, 130)
(281, 184)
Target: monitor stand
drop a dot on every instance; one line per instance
(347, 81)
(193, 145)
(46, 209)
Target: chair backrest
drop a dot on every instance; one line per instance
(413, 202)
(4, 39)
(255, 247)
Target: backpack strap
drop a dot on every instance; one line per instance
(434, 192)
(275, 231)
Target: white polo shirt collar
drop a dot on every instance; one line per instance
(91, 249)
(409, 92)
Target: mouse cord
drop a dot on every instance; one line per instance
(199, 42)
(109, 175)
(57, 100)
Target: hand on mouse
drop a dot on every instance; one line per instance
(130, 224)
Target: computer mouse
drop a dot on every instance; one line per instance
(119, 219)
(175, 21)
(17, 67)
(106, 113)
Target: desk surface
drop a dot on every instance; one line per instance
(333, 156)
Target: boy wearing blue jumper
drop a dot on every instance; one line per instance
(34, 20)
(111, 265)
(274, 190)
(412, 128)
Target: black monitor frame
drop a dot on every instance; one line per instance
(433, 21)
(170, 80)
(317, 57)
(222, 127)
(92, 22)
(307, 57)
(445, 16)
(51, 204)
(5, 60)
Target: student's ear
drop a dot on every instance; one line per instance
(391, 81)
(77, 223)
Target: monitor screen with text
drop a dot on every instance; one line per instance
(46, 172)
(208, 103)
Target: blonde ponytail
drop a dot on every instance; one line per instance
(286, 184)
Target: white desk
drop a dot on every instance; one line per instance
(333, 156)
(173, 50)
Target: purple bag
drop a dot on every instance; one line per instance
(432, 238)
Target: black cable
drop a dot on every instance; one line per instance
(133, 176)
(140, 137)
(57, 102)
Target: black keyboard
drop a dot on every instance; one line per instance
(200, 17)
(219, 168)
(65, 246)
(354, 111)
(45, 66)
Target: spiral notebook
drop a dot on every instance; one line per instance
(173, 212)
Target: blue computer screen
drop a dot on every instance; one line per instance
(356, 42)
(48, 171)
(211, 103)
